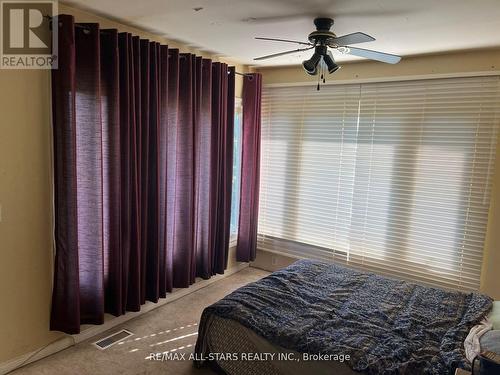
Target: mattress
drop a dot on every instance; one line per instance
(228, 336)
(316, 308)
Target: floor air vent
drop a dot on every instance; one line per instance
(110, 340)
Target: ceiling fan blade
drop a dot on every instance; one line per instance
(352, 39)
(284, 40)
(373, 55)
(282, 53)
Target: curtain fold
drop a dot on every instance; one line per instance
(143, 145)
(172, 116)
(227, 167)
(164, 257)
(130, 298)
(250, 168)
(222, 151)
(65, 298)
(180, 184)
(203, 173)
(111, 171)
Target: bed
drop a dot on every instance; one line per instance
(351, 321)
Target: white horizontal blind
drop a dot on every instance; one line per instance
(388, 177)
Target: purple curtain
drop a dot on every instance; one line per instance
(221, 166)
(250, 168)
(143, 145)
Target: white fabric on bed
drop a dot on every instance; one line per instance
(471, 344)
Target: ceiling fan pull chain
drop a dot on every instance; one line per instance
(319, 80)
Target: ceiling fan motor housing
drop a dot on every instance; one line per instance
(323, 23)
(322, 35)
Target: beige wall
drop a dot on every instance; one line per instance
(26, 200)
(458, 63)
(271, 262)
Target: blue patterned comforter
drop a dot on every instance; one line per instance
(387, 326)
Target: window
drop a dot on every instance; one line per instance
(388, 177)
(235, 196)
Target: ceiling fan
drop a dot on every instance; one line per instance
(322, 39)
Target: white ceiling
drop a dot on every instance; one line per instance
(228, 27)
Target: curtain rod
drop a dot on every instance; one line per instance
(241, 74)
(83, 26)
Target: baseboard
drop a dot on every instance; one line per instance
(22, 360)
(88, 331)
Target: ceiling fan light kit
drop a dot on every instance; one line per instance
(322, 39)
(311, 65)
(331, 65)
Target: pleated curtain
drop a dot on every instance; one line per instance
(142, 171)
(250, 168)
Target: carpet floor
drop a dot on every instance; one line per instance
(173, 326)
